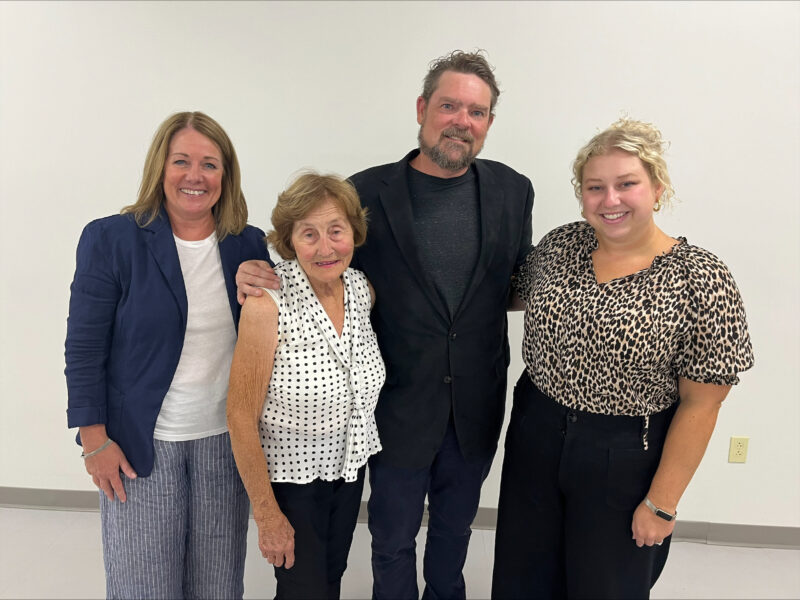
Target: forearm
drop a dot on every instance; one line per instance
(251, 371)
(252, 465)
(684, 448)
(275, 533)
(93, 436)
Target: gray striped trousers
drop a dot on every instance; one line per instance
(182, 533)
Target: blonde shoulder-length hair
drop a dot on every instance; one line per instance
(230, 211)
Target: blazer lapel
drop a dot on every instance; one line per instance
(492, 205)
(162, 246)
(396, 204)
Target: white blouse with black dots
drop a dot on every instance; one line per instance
(318, 420)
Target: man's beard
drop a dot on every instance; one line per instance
(441, 158)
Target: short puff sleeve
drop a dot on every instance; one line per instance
(718, 347)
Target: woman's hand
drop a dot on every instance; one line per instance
(684, 447)
(252, 275)
(276, 539)
(648, 528)
(104, 467)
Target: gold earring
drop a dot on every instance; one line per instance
(582, 214)
(657, 206)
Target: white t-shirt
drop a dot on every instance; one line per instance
(194, 406)
(318, 420)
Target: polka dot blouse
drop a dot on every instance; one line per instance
(620, 347)
(318, 419)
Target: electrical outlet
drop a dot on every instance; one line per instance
(737, 453)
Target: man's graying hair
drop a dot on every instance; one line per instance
(473, 63)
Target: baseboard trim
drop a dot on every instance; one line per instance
(720, 534)
(13, 497)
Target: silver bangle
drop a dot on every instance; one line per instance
(100, 449)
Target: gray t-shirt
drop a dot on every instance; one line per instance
(447, 229)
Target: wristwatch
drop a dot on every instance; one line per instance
(658, 511)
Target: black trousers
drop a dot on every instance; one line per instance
(570, 483)
(396, 505)
(323, 515)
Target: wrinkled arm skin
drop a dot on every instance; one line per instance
(251, 371)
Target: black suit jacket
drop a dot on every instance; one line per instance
(435, 363)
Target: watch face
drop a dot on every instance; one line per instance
(664, 515)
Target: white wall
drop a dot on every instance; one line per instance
(332, 86)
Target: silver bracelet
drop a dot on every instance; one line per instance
(100, 449)
(660, 512)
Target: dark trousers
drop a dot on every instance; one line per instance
(396, 504)
(323, 515)
(570, 483)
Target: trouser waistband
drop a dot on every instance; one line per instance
(643, 426)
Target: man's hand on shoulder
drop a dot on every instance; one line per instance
(253, 275)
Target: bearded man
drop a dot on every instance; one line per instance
(446, 233)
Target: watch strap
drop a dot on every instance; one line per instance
(659, 512)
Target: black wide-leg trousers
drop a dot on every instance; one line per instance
(570, 483)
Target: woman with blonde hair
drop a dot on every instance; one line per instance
(633, 338)
(150, 339)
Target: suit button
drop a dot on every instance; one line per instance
(448, 379)
(453, 336)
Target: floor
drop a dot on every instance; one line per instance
(57, 554)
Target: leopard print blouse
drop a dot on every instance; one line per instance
(619, 347)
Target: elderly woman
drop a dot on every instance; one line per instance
(632, 341)
(150, 339)
(304, 383)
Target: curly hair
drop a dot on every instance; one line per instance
(635, 137)
(304, 194)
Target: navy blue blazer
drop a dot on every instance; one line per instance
(438, 365)
(127, 320)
